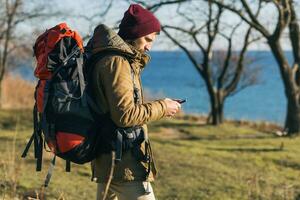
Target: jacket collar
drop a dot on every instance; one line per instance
(140, 59)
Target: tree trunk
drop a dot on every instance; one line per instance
(221, 100)
(217, 107)
(2, 71)
(1, 79)
(221, 113)
(292, 121)
(1, 94)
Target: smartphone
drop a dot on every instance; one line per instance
(180, 100)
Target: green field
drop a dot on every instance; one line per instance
(234, 161)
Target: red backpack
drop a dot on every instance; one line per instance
(43, 46)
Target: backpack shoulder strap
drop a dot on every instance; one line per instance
(95, 58)
(91, 63)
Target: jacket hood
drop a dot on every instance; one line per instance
(105, 39)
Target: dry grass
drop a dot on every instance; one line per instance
(11, 167)
(17, 93)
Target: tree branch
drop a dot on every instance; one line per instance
(186, 17)
(188, 53)
(294, 31)
(232, 86)
(251, 15)
(153, 8)
(198, 43)
(10, 17)
(228, 56)
(178, 29)
(258, 27)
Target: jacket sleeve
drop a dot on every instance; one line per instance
(117, 83)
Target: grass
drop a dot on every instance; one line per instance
(234, 161)
(16, 93)
(227, 162)
(18, 176)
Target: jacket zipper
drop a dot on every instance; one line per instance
(141, 87)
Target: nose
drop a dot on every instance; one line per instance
(147, 47)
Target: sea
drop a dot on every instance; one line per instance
(171, 74)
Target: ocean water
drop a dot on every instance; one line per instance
(171, 74)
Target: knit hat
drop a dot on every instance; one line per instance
(138, 22)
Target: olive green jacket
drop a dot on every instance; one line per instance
(113, 89)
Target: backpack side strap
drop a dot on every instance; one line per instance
(68, 166)
(37, 138)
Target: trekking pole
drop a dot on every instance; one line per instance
(48, 177)
(113, 157)
(42, 193)
(50, 171)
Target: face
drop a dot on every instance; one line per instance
(144, 43)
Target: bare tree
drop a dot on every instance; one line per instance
(14, 13)
(93, 19)
(286, 21)
(221, 71)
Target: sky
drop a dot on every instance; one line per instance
(167, 15)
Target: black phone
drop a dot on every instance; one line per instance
(180, 100)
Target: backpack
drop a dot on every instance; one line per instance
(66, 118)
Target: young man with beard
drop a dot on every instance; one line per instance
(118, 91)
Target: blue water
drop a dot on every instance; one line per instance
(171, 74)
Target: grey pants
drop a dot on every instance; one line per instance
(132, 190)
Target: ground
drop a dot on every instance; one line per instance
(235, 161)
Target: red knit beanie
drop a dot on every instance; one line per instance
(138, 22)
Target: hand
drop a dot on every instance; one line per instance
(173, 107)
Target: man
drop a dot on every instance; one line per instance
(118, 91)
